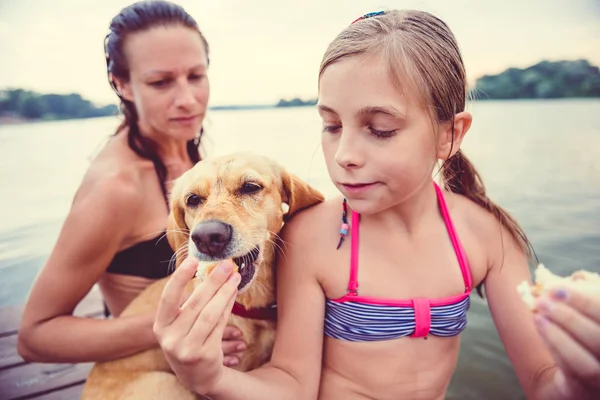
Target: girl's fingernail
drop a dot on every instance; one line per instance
(226, 267)
(232, 362)
(560, 294)
(241, 346)
(545, 306)
(540, 321)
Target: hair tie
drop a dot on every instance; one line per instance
(368, 15)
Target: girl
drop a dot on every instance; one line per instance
(157, 62)
(379, 316)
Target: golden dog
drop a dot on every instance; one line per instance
(226, 207)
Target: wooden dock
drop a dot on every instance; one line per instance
(22, 380)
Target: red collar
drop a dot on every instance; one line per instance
(265, 313)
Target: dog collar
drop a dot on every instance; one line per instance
(264, 313)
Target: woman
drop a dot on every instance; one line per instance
(157, 62)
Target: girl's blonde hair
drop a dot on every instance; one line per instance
(424, 59)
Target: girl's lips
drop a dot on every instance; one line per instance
(356, 188)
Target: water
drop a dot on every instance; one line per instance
(539, 159)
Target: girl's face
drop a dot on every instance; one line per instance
(168, 82)
(380, 147)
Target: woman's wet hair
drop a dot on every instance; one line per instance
(138, 17)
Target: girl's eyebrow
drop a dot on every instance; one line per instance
(369, 110)
(323, 108)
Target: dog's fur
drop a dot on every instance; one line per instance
(256, 219)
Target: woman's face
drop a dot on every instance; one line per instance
(168, 82)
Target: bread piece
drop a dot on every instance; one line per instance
(206, 267)
(582, 281)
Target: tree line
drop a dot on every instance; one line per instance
(24, 104)
(544, 80)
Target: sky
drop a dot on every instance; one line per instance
(264, 50)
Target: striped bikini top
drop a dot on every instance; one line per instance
(361, 318)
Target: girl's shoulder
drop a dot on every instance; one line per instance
(315, 223)
(472, 216)
(309, 235)
(481, 231)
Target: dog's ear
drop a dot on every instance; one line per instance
(177, 230)
(297, 193)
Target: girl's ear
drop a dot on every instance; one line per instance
(451, 137)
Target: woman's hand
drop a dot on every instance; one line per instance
(232, 345)
(569, 323)
(190, 331)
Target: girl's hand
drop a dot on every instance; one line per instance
(190, 330)
(569, 323)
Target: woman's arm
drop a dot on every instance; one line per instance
(190, 343)
(95, 228)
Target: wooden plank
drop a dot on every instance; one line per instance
(28, 380)
(70, 393)
(10, 317)
(8, 352)
(20, 380)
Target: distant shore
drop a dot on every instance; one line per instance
(546, 80)
(5, 121)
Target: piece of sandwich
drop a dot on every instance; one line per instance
(582, 281)
(206, 267)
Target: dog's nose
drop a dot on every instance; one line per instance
(211, 237)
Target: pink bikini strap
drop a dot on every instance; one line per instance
(460, 253)
(353, 283)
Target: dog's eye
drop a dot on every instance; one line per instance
(193, 200)
(250, 188)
